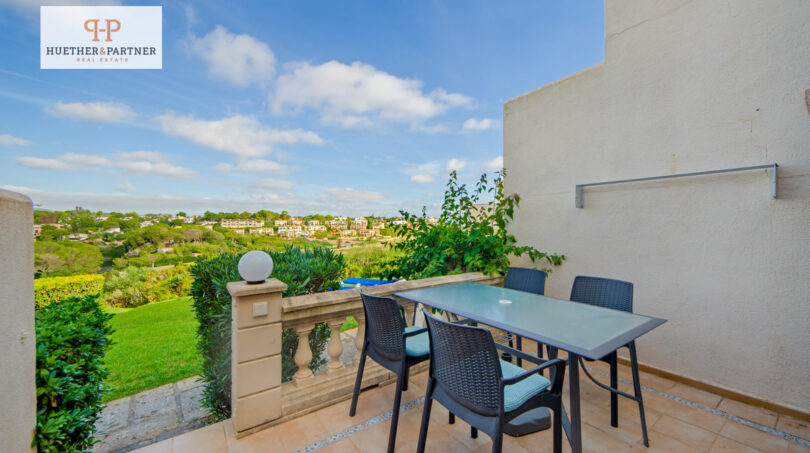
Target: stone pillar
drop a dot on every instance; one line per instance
(335, 348)
(255, 353)
(303, 356)
(18, 400)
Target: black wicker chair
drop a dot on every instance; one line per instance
(618, 295)
(530, 281)
(468, 379)
(394, 346)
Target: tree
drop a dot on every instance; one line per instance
(50, 233)
(66, 258)
(181, 214)
(469, 236)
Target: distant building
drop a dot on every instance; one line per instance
(37, 230)
(279, 222)
(346, 233)
(313, 222)
(266, 231)
(241, 223)
(399, 222)
(296, 222)
(77, 237)
(336, 224)
(378, 225)
(369, 232)
(314, 228)
(359, 223)
(146, 223)
(113, 230)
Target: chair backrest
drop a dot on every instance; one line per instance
(525, 279)
(465, 364)
(385, 326)
(603, 292)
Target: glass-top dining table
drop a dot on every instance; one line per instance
(581, 330)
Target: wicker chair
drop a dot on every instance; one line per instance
(394, 346)
(530, 281)
(618, 295)
(468, 379)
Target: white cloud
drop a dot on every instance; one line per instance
(125, 186)
(240, 135)
(10, 140)
(135, 162)
(483, 124)
(424, 173)
(269, 184)
(158, 168)
(495, 164)
(237, 59)
(349, 195)
(42, 164)
(104, 112)
(358, 95)
(455, 165)
(250, 166)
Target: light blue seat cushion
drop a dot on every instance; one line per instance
(417, 345)
(516, 394)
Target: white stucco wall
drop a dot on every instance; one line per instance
(17, 342)
(685, 86)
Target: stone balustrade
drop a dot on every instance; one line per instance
(308, 391)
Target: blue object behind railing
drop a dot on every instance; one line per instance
(354, 282)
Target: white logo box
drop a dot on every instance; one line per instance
(77, 37)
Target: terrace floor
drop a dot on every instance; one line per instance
(680, 419)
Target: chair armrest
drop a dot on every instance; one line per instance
(415, 332)
(559, 374)
(464, 321)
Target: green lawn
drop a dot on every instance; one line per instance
(153, 345)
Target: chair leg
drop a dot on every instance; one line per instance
(519, 341)
(423, 429)
(637, 389)
(473, 432)
(614, 397)
(452, 418)
(557, 428)
(392, 436)
(358, 381)
(497, 442)
(407, 376)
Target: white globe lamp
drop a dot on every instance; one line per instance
(255, 266)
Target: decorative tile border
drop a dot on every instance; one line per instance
(346, 433)
(337, 437)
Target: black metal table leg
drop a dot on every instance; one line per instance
(575, 435)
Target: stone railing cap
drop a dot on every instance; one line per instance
(271, 285)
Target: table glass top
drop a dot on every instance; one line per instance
(579, 328)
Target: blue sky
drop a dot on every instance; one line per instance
(342, 107)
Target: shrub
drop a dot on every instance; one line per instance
(304, 272)
(135, 286)
(49, 290)
(61, 258)
(470, 236)
(72, 337)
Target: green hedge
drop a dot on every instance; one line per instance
(135, 286)
(304, 272)
(49, 290)
(72, 337)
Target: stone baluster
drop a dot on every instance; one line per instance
(361, 334)
(335, 348)
(303, 355)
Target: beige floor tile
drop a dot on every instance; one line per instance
(793, 447)
(682, 412)
(266, 440)
(596, 441)
(794, 426)
(414, 391)
(695, 395)
(335, 418)
(301, 432)
(726, 445)
(755, 414)
(662, 443)
(160, 447)
(629, 430)
(655, 381)
(210, 439)
(753, 437)
(698, 438)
